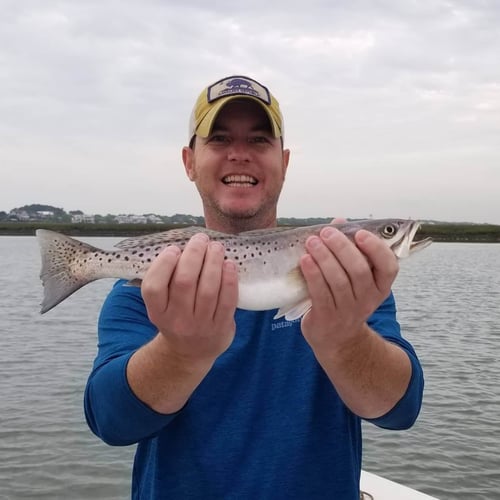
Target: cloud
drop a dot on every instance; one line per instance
(386, 97)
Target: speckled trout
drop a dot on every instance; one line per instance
(269, 276)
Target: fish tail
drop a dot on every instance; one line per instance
(57, 273)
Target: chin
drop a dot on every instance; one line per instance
(240, 211)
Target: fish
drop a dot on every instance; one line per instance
(269, 276)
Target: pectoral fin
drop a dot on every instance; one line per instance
(296, 281)
(294, 311)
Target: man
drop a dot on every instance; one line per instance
(231, 404)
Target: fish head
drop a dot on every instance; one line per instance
(399, 235)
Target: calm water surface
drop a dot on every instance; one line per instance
(449, 306)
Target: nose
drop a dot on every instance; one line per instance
(238, 151)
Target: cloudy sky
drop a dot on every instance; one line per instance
(392, 107)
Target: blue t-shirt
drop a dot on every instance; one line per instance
(265, 423)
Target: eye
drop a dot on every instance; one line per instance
(218, 138)
(259, 139)
(389, 231)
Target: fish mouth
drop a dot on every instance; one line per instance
(415, 246)
(239, 180)
(407, 246)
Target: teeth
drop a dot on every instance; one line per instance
(239, 179)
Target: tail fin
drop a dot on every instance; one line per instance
(58, 253)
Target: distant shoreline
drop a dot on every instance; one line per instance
(444, 232)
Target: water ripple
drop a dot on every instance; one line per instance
(449, 306)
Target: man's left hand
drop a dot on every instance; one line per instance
(347, 281)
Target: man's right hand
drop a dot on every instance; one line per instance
(192, 297)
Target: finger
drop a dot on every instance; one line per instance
(154, 287)
(319, 289)
(183, 285)
(332, 243)
(210, 281)
(228, 295)
(353, 261)
(384, 263)
(338, 221)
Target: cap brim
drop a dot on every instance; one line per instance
(206, 124)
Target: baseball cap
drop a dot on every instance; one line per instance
(215, 96)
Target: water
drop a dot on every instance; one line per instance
(46, 449)
(448, 298)
(449, 305)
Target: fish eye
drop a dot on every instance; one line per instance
(389, 230)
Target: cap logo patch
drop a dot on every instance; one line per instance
(238, 85)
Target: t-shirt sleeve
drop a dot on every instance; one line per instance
(112, 410)
(406, 410)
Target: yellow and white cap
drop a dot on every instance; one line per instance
(215, 96)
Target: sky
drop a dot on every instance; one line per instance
(391, 107)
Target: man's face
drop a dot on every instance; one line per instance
(240, 168)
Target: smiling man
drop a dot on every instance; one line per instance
(237, 158)
(231, 404)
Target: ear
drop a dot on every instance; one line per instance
(188, 160)
(286, 159)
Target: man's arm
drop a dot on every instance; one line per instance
(147, 368)
(191, 299)
(347, 282)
